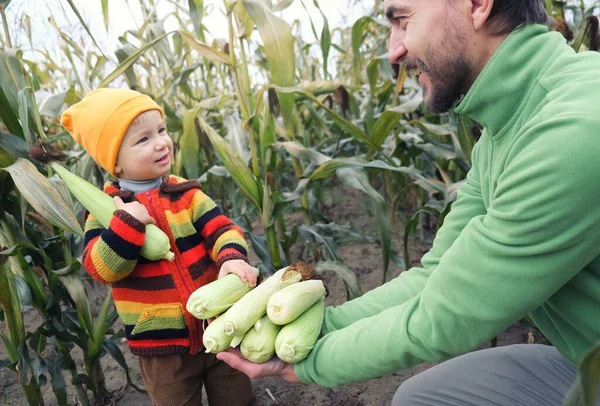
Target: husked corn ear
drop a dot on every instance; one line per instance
(253, 305)
(258, 344)
(214, 339)
(290, 302)
(102, 206)
(295, 340)
(216, 297)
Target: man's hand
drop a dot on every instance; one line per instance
(136, 209)
(240, 268)
(273, 367)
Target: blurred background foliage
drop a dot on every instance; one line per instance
(268, 121)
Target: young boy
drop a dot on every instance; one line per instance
(124, 132)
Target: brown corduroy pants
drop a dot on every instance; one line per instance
(176, 380)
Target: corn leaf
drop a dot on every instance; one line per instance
(39, 193)
(74, 284)
(325, 40)
(105, 13)
(51, 104)
(190, 145)
(343, 123)
(348, 277)
(358, 180)
(14, 146)
(8, 116)
(100, 325)
(389, 119)
(12, 80)
(358, 33)
(282, 5)
(196, 11)
(240, 172)
(279, 49)
(586, 390)
(57, 379)
(81, 20)
(204, 50)
(244, 23)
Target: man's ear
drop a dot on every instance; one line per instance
(480, 11)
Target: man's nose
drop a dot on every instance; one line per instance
(397, 50)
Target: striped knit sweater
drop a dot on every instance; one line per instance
(150, 296)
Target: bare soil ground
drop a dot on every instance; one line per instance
(346, 206)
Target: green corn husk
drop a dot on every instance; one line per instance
(215, 340)
(295, 340)
(258, 344)
(253, 305)
(216, 297)
(156, 243)
(290, 302)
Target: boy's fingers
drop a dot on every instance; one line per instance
(118, 202)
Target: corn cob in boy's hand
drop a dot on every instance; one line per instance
(102, 206)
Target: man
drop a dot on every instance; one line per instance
(522, 238)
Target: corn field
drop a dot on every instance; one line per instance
(267, 121)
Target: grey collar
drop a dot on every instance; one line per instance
(139, 186)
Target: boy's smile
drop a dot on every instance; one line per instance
(146, 150)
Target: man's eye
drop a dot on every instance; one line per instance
(144, 139)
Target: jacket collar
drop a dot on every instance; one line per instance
(170, 185)
(509, 78)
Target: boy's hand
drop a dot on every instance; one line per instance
(136, 209)
(240, 268)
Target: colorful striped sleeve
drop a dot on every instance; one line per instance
(111, 254)
(224, 240)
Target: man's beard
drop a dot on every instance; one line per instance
(449, 78)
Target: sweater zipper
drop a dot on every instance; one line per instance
(191, 326)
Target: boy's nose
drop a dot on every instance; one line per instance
(161, 144)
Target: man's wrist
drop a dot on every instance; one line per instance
(288, 373)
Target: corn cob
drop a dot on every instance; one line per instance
(253, 305)
(290, 302)
(102, 206)
(214, 339)
(217, 296)
(258, 344)
(295, 340)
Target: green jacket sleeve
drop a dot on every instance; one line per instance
(408, 284)
(540, 230)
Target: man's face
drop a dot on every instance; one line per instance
(146, 150)
(428, 36)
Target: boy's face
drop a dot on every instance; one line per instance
(146, 150)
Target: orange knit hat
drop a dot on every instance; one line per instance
(100, 120)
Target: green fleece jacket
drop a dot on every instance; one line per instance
(522, 238)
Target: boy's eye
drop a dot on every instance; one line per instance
(143, 139)
(162, 130)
